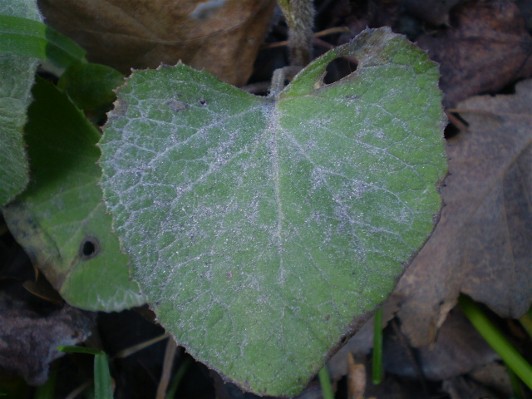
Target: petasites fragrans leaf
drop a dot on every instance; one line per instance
(16, 78)
(262, 229)
(60, 220)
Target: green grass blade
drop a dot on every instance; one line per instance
(497, 340)
(526, 322)
(79, 349)
(47, 390)
(325, 382)
(181, 371)
(31, 38)
(103, 385)
(377, 369)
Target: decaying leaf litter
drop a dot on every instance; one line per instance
(506, 195)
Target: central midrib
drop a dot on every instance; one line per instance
(273, 129)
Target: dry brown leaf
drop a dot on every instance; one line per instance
(457, 350)
(486, 48)
(460, 387)
(434, 12)
(356, 378)
(220, 36)
(481, 246)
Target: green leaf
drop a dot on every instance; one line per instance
(91, 87)
(79, 349)
(262, 230)
(30, 38)
(60, 220)
(17, 74)
(103, 384)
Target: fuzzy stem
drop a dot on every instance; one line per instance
(299, 15)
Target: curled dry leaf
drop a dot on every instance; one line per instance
(481, 246)
(461, 387)
(29, 340)
(220, 36)
(486, 48)
(458, 350)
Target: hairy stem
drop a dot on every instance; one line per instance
(299, 15)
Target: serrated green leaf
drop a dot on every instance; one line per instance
(60, 220)
(262, 229)
(17, 74)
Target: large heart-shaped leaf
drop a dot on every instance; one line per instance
(261, 228)
(60, 220)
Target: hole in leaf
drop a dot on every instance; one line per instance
(90, 247)
(456, 125)
(451, 131)
(338, 69)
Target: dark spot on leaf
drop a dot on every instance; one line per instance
(90, 247)
(338, 69)
(353, 97)
(176, 105)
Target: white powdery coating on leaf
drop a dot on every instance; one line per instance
(260, 228)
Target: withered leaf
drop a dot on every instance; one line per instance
(29, 340)
(221, 36)
(434, 12)
(458, 350)
(481, 246)
(486, 48)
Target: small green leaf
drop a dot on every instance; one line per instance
(60, 220)
(31, 38)
(17, 74)
(91, 87)
(263, 229)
